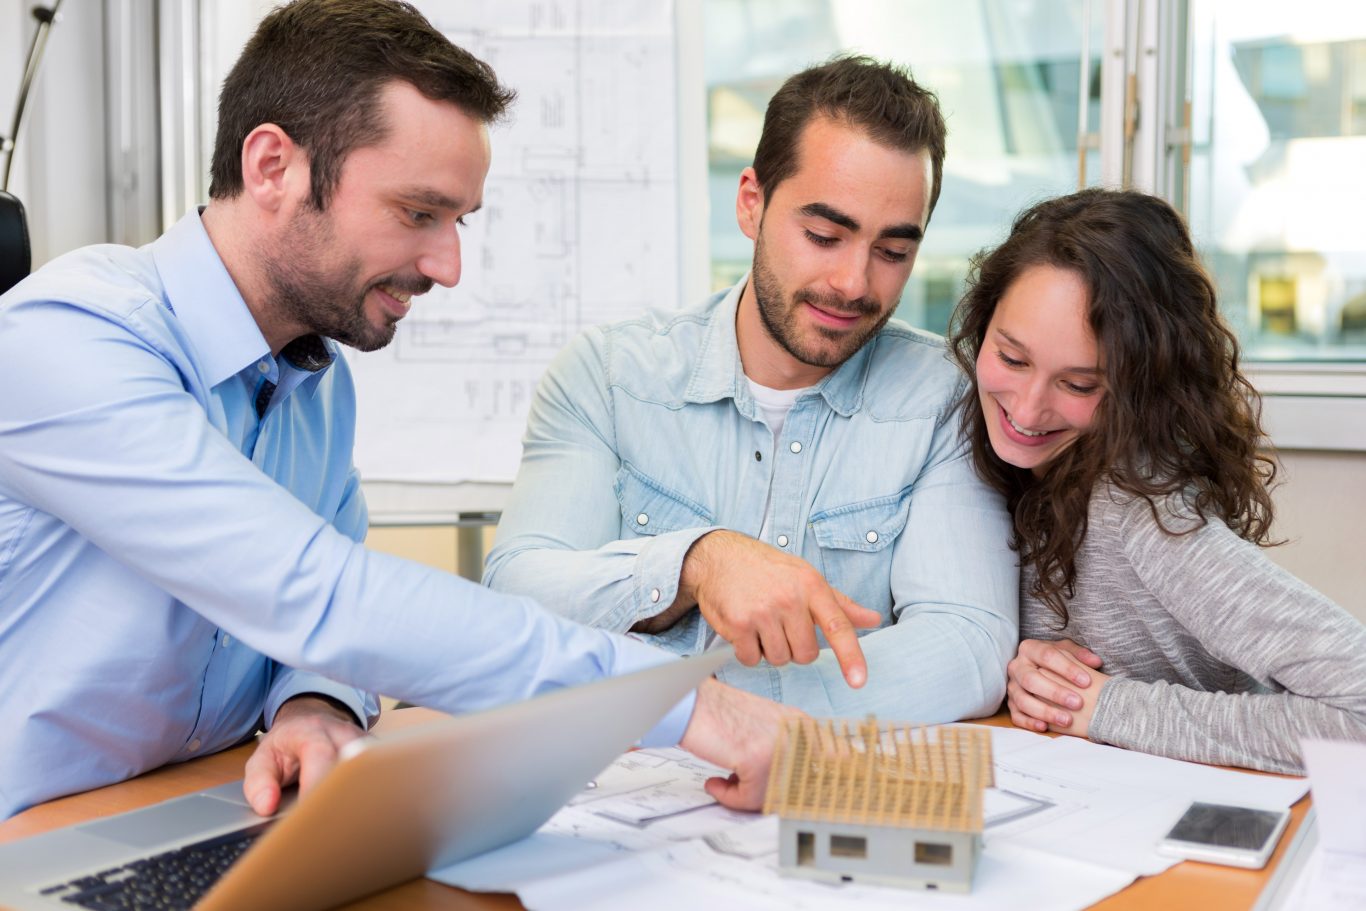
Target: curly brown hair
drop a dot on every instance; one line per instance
(1177, 417)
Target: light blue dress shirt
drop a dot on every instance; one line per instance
(644, 435)
(158, 541)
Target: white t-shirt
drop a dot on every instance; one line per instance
(774, 404)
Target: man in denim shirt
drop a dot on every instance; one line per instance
(785, 458)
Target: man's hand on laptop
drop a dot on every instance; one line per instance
(767, 604)
(735, 730)
(301, 745)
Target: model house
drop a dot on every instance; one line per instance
(893, 805)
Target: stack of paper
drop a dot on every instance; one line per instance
(1331, 876)
(1068, 823)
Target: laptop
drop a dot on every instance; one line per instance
(393, 808)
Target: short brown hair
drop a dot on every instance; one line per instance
(879, 98)
(316, 69)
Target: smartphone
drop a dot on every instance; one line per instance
(1221, 834)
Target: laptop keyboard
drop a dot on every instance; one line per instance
(173, 880)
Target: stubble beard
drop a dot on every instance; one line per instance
(781, 322)
(327, 299)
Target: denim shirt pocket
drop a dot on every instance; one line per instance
(854, 544)
(650, 508)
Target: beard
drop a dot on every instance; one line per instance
(830, 347)
(328, 298)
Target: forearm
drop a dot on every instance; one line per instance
(1256, 731)
(613, 586)
(931, 667)
(289, 683)
(1249, 614)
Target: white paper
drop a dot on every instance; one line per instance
(1333, 876)
(1068, 823)
(1338, 773)
(1332, 882)
(692, 874)
(645, 799)
(1108, 806)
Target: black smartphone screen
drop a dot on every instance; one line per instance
(1225, 826)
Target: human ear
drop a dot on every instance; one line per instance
(749, 204)
(274, 168)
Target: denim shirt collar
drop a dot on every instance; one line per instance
(720, 374)
(207, 304)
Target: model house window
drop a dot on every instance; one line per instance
(806, 849)
(934, 854)
(848, 846)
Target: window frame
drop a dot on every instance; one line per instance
(1307, 405)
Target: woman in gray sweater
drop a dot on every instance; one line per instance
(1107, 406)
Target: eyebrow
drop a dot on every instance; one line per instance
(908, 231)
(434, 200)
(1090, 371)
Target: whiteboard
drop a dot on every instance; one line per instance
(580, 225)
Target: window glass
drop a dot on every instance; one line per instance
(1007, 73)
(1279, 118)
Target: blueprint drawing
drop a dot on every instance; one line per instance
(578, 227)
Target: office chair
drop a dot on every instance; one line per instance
(15, 254)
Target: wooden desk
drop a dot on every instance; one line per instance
(1187, 885)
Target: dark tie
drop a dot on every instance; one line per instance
(263, 397)
(307, 352)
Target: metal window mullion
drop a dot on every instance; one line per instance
(1086, 140)
(178, 90)
(132, 144)
(1113, 82)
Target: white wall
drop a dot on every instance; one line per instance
(1322, 514)
(59, 171)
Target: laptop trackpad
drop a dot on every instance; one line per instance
(171, 821)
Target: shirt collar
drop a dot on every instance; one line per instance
(205, 300)
(719, 373)
(211, 310)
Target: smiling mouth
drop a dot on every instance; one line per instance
(1028, 433)
(395, 301)
(401, 296)
(1027, 436)
(833, 317)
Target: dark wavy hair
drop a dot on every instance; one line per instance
(316, 69)
(1177, 417)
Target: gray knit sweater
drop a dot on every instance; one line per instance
(1218, 654)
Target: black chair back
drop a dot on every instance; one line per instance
(15, 253)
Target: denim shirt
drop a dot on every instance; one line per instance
(644, 436)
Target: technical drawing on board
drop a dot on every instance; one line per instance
(578, 227)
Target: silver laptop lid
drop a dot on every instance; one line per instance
(429, 796)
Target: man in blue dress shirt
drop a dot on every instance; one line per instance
(786, 451)
(180, 521)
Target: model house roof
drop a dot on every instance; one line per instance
(926, 778)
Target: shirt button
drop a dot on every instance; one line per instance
(642, 519)
(654, 596)
(226, 640)
(872, 537)
(782, 540)
(194, 745)
(795, 447)
(263, 367)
